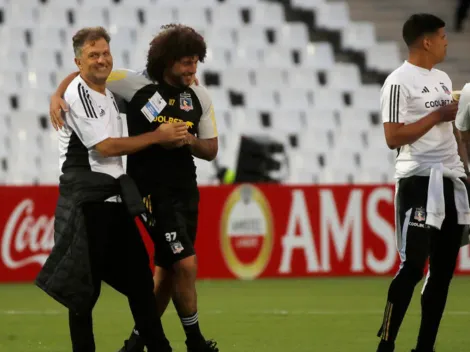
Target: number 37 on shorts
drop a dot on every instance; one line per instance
(170, 236)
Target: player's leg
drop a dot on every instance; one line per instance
(180, 254)
(187, 210)
(163, 287)
(413, 247)
(81, 324)
(81, 327)
(444, 249)
(131, 275)
(162, 228)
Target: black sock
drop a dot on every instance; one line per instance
(191, 328)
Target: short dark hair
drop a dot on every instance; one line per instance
(172, 44)
(419, 25)
(86, 35)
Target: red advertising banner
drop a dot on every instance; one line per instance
(245, 231)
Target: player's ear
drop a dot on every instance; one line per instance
(78, 63)
(427, 42)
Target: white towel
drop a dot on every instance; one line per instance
(435, 207)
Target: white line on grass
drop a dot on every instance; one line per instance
(218, 312)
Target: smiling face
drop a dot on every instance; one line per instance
(183, 71)
(95, 60)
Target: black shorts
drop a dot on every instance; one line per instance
(417, 241)
(173, 225)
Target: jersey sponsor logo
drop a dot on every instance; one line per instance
(417, 224)
(186, 102)
(436, 103)
(170, 119)
(247, 232)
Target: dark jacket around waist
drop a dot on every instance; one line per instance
(66, 274)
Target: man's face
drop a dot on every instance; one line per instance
(436, 44)
(184, 70)
(96, 61)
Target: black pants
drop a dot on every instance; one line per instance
(418, 243)
(118, 257)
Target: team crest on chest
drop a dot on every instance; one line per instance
(445, 89)
(420, 214)
(186, 102)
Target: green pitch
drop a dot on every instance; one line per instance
(260, 316)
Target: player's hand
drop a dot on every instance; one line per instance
(448, 112)
(56, 108)
(168, 133)
(190, 138)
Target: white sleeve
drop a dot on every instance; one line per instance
(126, 83)
(393, 102)
(207, 127)
(82, 118)
(462, 120)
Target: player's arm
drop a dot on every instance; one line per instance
(123, 82)
(394, 109)
(93, 134)
(462, 149)
(462, 120)
(203, 148)
(462, 125)
(58, 106)
(206, 144)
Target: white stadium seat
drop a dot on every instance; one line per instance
(266, 71)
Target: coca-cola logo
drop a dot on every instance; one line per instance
(26, 240)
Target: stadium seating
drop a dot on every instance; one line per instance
(266, 75)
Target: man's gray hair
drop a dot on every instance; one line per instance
(86, 35)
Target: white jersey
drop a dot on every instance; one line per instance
(409, 94)
(92, 118)
(462, 120)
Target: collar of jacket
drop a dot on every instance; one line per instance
(89, 186)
